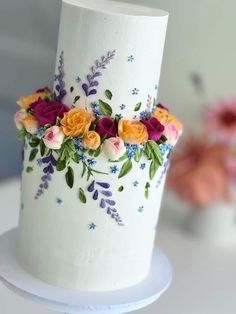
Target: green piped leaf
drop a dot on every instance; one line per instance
(33, 154)
(76, 99)
(125, 156)
(153, 152)
(153, 169)
(138, 106)
(105, 109)
(82, 196)
(22, 134)
(97, 152)
(70, 177)
(71, 89)
(108, 93)
(121, 188)
(138, 155)
(34, 142)
(125, 169)
(61, 164)
(29, 169)
(42, 148)
(146, 190)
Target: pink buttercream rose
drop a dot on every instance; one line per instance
(53, 137)
(172, 133)
(114, 148)
(19, 116)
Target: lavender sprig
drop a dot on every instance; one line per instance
(90, 87)
(166, 167)
(60, 86)
(107, 202)
(48, 170)
(149, 104)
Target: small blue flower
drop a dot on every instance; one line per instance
(29, 136)
(135, 91)
(78, 79)
(119, 116)
(131, 150)
(142, 166)
(144, 115)
(59, 201)
(40, 132)
(140, 209)
(92, 226)
(114, 169)
(165, 148)
(78, 143)
(39, 162)
(91, 162)
(94, 105)
(82, 157)
(130, 58)
(96, 109)
(122, 107)
(135, 183)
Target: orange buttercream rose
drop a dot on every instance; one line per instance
(132, 132)
(31, 124)
(26, 101)
(76, 122)
(166, 118)
(91, 140)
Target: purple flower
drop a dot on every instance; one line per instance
(47, 112)
(106, 126)
(154, 129)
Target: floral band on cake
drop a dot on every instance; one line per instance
(54, 126)
(62, 134)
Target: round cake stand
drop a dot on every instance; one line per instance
(75, 302)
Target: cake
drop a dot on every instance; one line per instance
(96, 150)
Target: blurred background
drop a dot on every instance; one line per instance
(200, 40)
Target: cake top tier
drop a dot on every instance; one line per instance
(105, 45)
(114, 7)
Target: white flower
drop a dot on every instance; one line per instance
(53, 137)
(114, 148)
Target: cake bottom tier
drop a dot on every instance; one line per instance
(73, 238)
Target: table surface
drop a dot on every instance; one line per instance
(204, 275)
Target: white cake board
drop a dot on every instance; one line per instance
(74, 302)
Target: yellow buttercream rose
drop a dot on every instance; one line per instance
(166, 118)
(76, 122)
(26, 101)
(132, 132)
(91, 140)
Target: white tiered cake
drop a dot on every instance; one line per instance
(93, 177)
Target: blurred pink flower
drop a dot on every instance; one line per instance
(198, 173)
(221, 120)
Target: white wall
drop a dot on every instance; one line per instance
(201, 38)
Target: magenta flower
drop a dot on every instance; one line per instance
(154, 128)
(47, 112)
(106, 126)
(162, 107)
